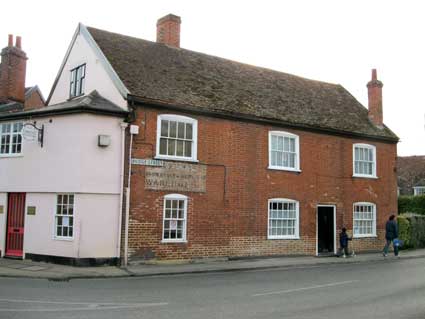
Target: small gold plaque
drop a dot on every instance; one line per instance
(1, 209)
(31, 210)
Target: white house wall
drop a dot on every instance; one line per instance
(3, 202)
(95, 227)
(70, 160)
(96, 76)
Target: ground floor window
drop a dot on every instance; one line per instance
(174, 220)
(364, 220)
(64, 218)
(283, 219)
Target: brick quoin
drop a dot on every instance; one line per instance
(231, 217)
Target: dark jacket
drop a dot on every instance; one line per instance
(391, 230)
(343, 239)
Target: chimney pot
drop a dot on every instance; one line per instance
(374, 75)
(18, 42)
(10, 42)
(374, 90)
(168, 30)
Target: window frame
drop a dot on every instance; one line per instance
(373, 234)
(297, 151)
(184, 230)
(297, 220)
(182, 119)
(11, 134)
(416, 189)
(374, 166)
(73, 82)
(56, 215)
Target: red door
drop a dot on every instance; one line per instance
(15, 225)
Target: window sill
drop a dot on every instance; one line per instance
(283, 238)
(176, 159)
(277, 168)
(11, 155)
(365, 176)
(165, 241)
(364, 236)
(64, 238)
(75, 97)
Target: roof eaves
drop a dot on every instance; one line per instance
(251, 118)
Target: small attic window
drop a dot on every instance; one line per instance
(78, 76)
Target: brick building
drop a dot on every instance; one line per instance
(236, 160)
(228, 159)
(411, 175)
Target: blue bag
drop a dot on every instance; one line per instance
(398, 242)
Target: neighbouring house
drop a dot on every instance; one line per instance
(411, 175)
(60, 166)
(224, 158)
(14, 96)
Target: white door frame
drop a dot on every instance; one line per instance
(317, 226)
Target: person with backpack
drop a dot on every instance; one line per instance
(391, 233)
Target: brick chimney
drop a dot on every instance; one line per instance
(168, 30)
(374, 90)
(12, 71)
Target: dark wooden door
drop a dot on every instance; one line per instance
(15, 225)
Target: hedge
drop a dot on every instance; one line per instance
(411, 228)
(411, 204)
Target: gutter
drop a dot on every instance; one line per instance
(64, 111)
(254, 119)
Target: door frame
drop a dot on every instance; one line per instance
(317, 226)
(7, 221)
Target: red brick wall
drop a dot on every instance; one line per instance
(34, 101)
(230, 219)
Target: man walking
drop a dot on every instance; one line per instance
(391, 233)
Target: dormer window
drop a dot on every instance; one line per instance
(77, 81)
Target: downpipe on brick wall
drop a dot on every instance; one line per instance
(134, 130)
(123, 127)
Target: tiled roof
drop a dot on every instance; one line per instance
(410, 173)
(182, 77)
(91, 103)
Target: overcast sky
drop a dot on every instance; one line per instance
(332, 41)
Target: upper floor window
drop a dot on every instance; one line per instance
(364, 160)
(283, 219)
(364, 220)
(419, 190)
(77, 81)
(11, 138)
(284, 151)
(176, 137)
(64, 217)
(174, 219)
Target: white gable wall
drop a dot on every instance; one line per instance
(96, 76)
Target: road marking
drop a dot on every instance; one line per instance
(87, 306)
(305, 288)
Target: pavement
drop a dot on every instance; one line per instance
(40, 270)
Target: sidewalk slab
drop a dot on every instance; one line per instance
(41, 270)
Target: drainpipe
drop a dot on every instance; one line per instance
(123, 127)
(134, 130)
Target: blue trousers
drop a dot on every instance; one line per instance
(387, 246)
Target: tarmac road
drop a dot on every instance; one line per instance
(387, 289)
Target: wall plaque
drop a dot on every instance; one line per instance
(31, 210)
(147, 162)
(1, 209)
(177, 177)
